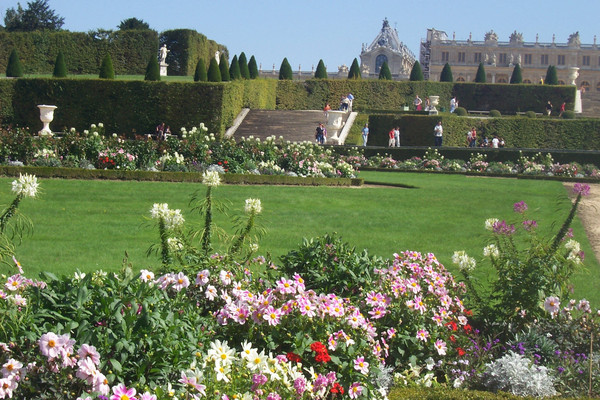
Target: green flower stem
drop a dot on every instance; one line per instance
(164, 246)
(237, 244)
(205, 240)
(565, 227)
(9, 212)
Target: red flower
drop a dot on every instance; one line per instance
(225, 162)
(323, 357)
(452, 339)
(468, 313)
(318, 347)
(452, 325)
(293, 357)
(468, 328)
(461, 352)
(337, 388)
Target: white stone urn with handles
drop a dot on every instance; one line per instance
(435, 100)
(46, 116)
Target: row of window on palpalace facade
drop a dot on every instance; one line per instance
(527, 59)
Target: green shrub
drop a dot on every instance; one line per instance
(354, 72)
(214, 72)
(224, 68)
(517, 76)
(480, 77)
(329, 265)
(152, 70)
(569, 114)
(60, 66)
(187, 46)
(446, 75)
(531, 114)
(200, 75)
(385, 73)
(243, 64)
(416, 73)
(461, 111)
(551, 76)
(14, 68)
(253, 68)
(495, 113)
(234, 69)
(321, 72)
(285, 70)
(106, 68)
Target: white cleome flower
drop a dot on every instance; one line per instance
(211, 178)
(26, 185)
(464, 262)
(159, 210)
(489, 223)
(491, 250)
(253, 206)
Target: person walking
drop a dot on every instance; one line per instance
(392, 140)
(365, 134)
(397, 136)
(548, 108)
(418, 103)
(453, 104)
(438, 133)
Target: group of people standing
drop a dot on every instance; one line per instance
(394, 135)
(495, 143)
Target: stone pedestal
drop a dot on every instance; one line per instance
(46, 116)
(334, 125)
(163, 68)
(578, 108)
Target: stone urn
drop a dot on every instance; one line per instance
(435, 100)
(573, 75)
(334, 125)
(46, 116)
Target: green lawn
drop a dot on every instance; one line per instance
(88, 225)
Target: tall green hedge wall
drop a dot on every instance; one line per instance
(130, 50)
(133, 106)
(376, 95)
(523, 132)
(186, 48)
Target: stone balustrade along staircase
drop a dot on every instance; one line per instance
(590, 104)
(295, 126)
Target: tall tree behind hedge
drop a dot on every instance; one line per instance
(416, 73)
(253, 68)
(38, 16)
(224, 68)
(200, 75)
(480, 75)
(60, 66)
(133, 23)
(446, 75)
(321, 72)
(243, 62)
(517, 76)
(354, 72)
(152, 70)
(385, 73)
(14, 69)
(106, 68)
(285, 71)
(214, 72)
(234, 69)
(551, 76)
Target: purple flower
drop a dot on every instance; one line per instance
(529, 225)
(501, 228)
(520, 207)
(581, 189)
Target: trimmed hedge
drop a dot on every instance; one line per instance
(233, 179)
(391, 95)
(186, 47)
(517, 131)
(84, 101)
(423, 393)
(130, 50)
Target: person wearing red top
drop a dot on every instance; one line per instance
(392, 140)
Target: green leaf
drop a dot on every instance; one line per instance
(116, 366)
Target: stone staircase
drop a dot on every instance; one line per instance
(295, 126)
(590, 103)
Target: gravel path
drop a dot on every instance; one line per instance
(589, 214)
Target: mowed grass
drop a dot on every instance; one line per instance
(89, 225)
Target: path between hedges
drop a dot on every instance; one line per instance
(589, 214)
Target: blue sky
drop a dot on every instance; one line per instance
(305, 31)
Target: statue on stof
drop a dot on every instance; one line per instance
(162, 53)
